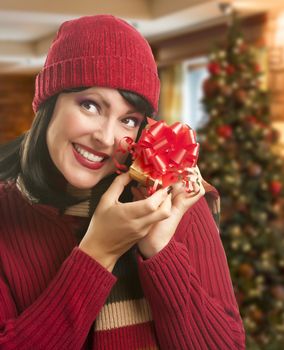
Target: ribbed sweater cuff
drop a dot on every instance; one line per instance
(91, 266)
(163, 257)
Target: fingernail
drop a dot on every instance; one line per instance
(169, 189)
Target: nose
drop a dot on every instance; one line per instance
(105, 134)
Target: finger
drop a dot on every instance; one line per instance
(198, 172)
(183, 201)
(162, 213)
(146, 206)
(116, 188)
(177, 188)
(192, 197)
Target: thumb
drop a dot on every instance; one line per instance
(116, 188)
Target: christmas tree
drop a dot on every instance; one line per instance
(238, 157)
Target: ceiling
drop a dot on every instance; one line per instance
(27, 27)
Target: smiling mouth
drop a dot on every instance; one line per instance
(88, 158)
(91, 157)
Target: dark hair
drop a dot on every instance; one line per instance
(28, 157)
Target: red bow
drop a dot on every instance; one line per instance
(165, 152)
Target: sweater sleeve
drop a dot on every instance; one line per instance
(189, 288)
(63, 314)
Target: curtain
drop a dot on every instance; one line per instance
(170, 105)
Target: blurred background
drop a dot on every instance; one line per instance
(221, 65)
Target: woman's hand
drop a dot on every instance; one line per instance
(161, 232)
(115, 227)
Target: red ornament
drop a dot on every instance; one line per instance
(225, 131)
(251, 119)
(210, 87)
(275, 187)
(230, 69)
(214, 68)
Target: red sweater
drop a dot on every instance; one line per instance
(53, 296)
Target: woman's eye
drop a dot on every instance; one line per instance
(90, 106)
(131, 122)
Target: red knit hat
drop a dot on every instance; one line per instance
(100, 51)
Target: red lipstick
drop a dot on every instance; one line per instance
(87, 163)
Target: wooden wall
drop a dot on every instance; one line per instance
(16, 114)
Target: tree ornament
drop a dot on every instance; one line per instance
(278, 292)
(241, 95)
(248, 102)
(275, 187)
(254, 169)
(214, 68)
(230, 69)
(260, 280)
(264, 186)
(214, 112)
(210, 87)
(220, 99)
(225, 131)
(248, 145)
(262, 216)
(256, 314)
(240, 41)
(222, 54)
(251, 119)
(241, 207)
(246, 270)
(235, 85)
(277, 208)
(236, 194)
(246, 247)
(226, 90)
(221, 82)
(235, 231)
(235, 245)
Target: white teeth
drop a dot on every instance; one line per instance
(88, 155)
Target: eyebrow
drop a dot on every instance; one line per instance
(103, 101)
(108, 106)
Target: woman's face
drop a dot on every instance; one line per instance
(84, 133)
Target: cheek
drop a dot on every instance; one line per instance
(65, 129)
(122, 138)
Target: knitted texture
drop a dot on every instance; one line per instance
(54, 296)
(102, 51)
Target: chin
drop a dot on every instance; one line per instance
(81, 183)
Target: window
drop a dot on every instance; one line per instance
(194, 73)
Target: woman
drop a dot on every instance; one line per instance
(83, 266)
